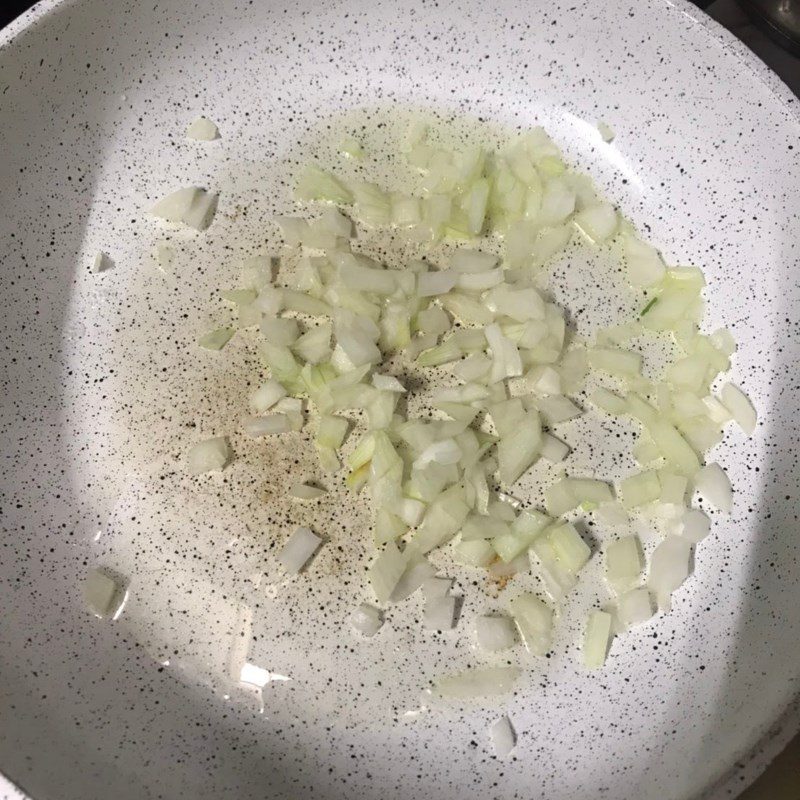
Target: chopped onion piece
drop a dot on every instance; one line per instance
(521, 304)
(596, 639)
(524, 530)
(316, 184)
(669, 568)
(555, 409)
(506, 362)
(545, 380)
(606, 132)
(639, 489)
(675, 449)
(387, 383)
(645, 267)
(480, 682)
(101, 263)
(474, 553)
(386, 571)
(598, 222)
(101, 594)
(615, 362)
(430, 284)
(712, 482)
(499, 569)
(298, 549)
(191, 206)
(519, 449)
(216, 339)
(740, 407)
(439, 613)
(569, 547)
(351, 147)
(534, 621)
(635, 607)
(443, 519)
(366, 620)
(609, 402)
(305, 491)
(209, 455)
(280, 332)
(569, 493)
(436, 587)
(553, 449)
(202, 130)
(314, 346)
(267, 426)
(693, 525)
(472, 261)
(479, 526)
(495, 633)
(388, 527)
(416, 573)
(673, 489)
(445, 451)
(623, 563)
(504, 738)
(556, 578)
(479, 281)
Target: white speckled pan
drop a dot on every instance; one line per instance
(102, 391)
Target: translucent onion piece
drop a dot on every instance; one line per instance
(495, 633)
(202, 130)
(713, 484)
(439, 613)
(596, 639)
(503, 736)
(298, 549)
(209, 455)
(101, 593)
(481, 682)
(366, 620)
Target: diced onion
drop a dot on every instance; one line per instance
(495, 633)
(305, 491)
(481, 682)
(623, 563)
(596, 639)
(202, 130)
(669, 568)
(386, 571)
(191, 206)
(101, 263)
(436, 587)
(534, 621)
(740, 407)
(266, 426)
(712, 482)
(606, 132)
(101, 593)
(598, 222)
(416, 573)
(212, 454)
(366, 620)
(693, 526)
(299, 548)
(439, 613)
(635, 607)
(216, 339)
(504, 738)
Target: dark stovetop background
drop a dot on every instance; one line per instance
(780, 781)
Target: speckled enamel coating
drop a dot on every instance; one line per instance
(103, 390)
